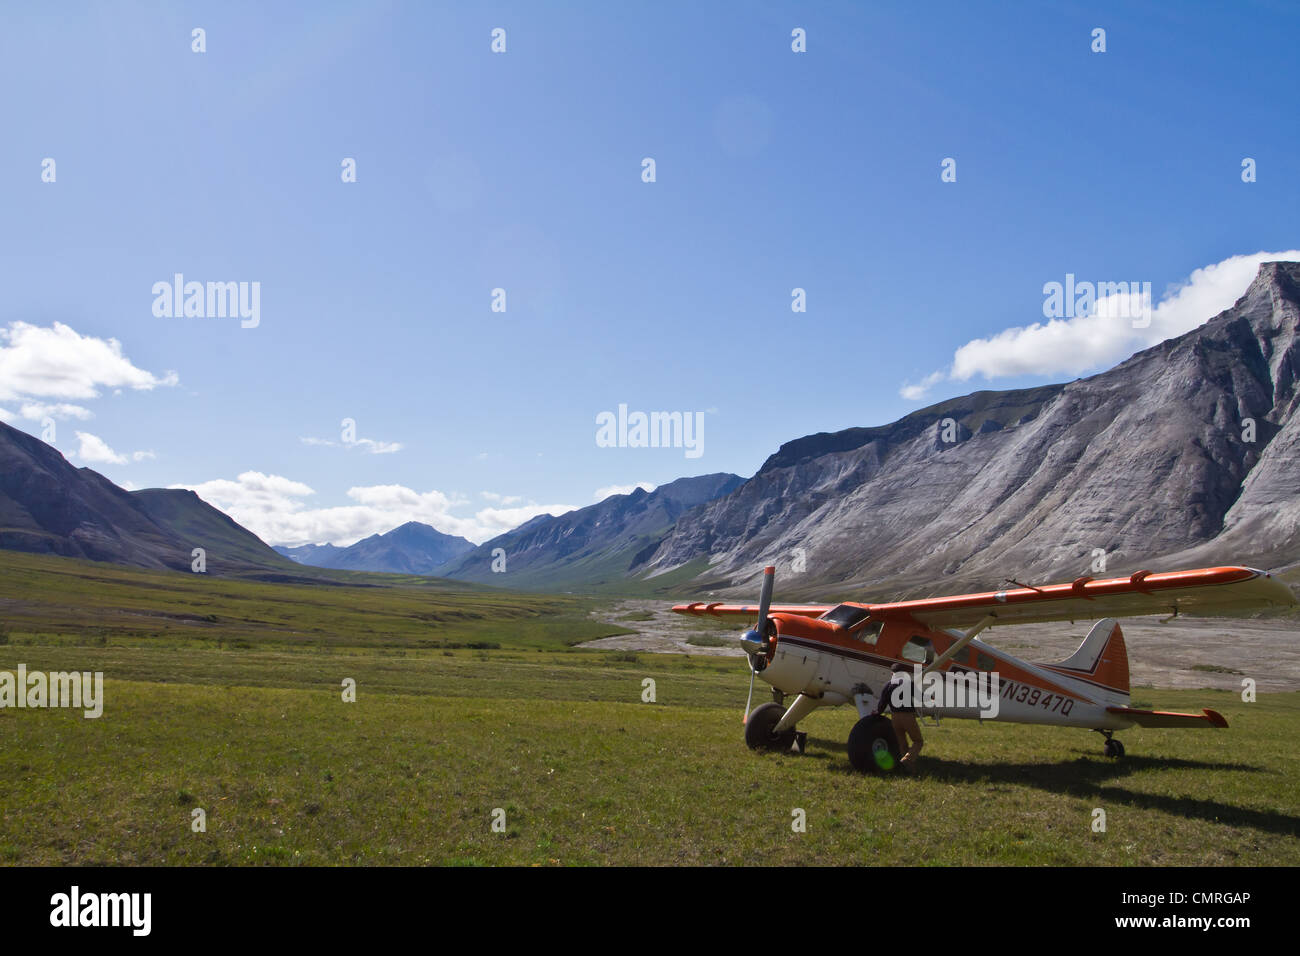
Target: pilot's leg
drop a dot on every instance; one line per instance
(907, 727)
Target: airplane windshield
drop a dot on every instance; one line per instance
(846, 615)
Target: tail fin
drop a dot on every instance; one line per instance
(1101, 659)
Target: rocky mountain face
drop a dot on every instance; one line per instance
(412, 548)
(1185, 454)
(592, 546)
(50, 507)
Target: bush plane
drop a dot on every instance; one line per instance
(830, 655)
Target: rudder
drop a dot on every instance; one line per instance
(1101, 659)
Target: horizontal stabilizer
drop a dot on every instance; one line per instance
(1164, 718)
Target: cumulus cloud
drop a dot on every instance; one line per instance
(94, 450)
(277, 510)
(501, 499)
(1104, 334)
(917, 391)
(60, 363)
(608, 490)
(39, 411)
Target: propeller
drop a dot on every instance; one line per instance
(754, 641)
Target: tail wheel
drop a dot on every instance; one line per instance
(760, 729)
(873, 747)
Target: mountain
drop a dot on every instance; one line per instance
(592, 546)
(316, 555)
(50, 507)
(412, 548)
(1153, 462)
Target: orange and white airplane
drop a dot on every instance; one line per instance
(833, 655)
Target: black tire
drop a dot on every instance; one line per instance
(758, 729)
(873, 746)
(1114, 749)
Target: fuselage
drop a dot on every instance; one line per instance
(832, 663)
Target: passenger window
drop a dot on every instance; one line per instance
(919, 650)
(984, 662)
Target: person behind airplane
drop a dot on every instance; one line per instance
(905, 726)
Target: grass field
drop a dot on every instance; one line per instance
(253, 729)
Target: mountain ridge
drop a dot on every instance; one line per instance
(590, 546)
(410, 548)
(49, 506)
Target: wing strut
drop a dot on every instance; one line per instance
(966, 638)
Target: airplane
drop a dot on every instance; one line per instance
(831, 655)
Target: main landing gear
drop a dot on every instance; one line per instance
(1112, 748)
(873, 747)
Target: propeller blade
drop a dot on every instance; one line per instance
(765, 598)
(755, 642)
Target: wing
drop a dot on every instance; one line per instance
(1207, 591)
(751, 610)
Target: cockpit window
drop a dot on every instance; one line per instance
(846, 615)
(868, 632)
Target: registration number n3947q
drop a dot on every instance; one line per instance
(1034, 697)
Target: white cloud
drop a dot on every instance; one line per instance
(1105, 335)
(58, 362)
(368, 444)
(917, 391)
(275, 509)
(603, 493)
(378, 447)
(501, 499)
(142, 455)
(95, 450)
(38, 411)
(6, 415)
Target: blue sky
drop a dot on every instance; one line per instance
(522, 170)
